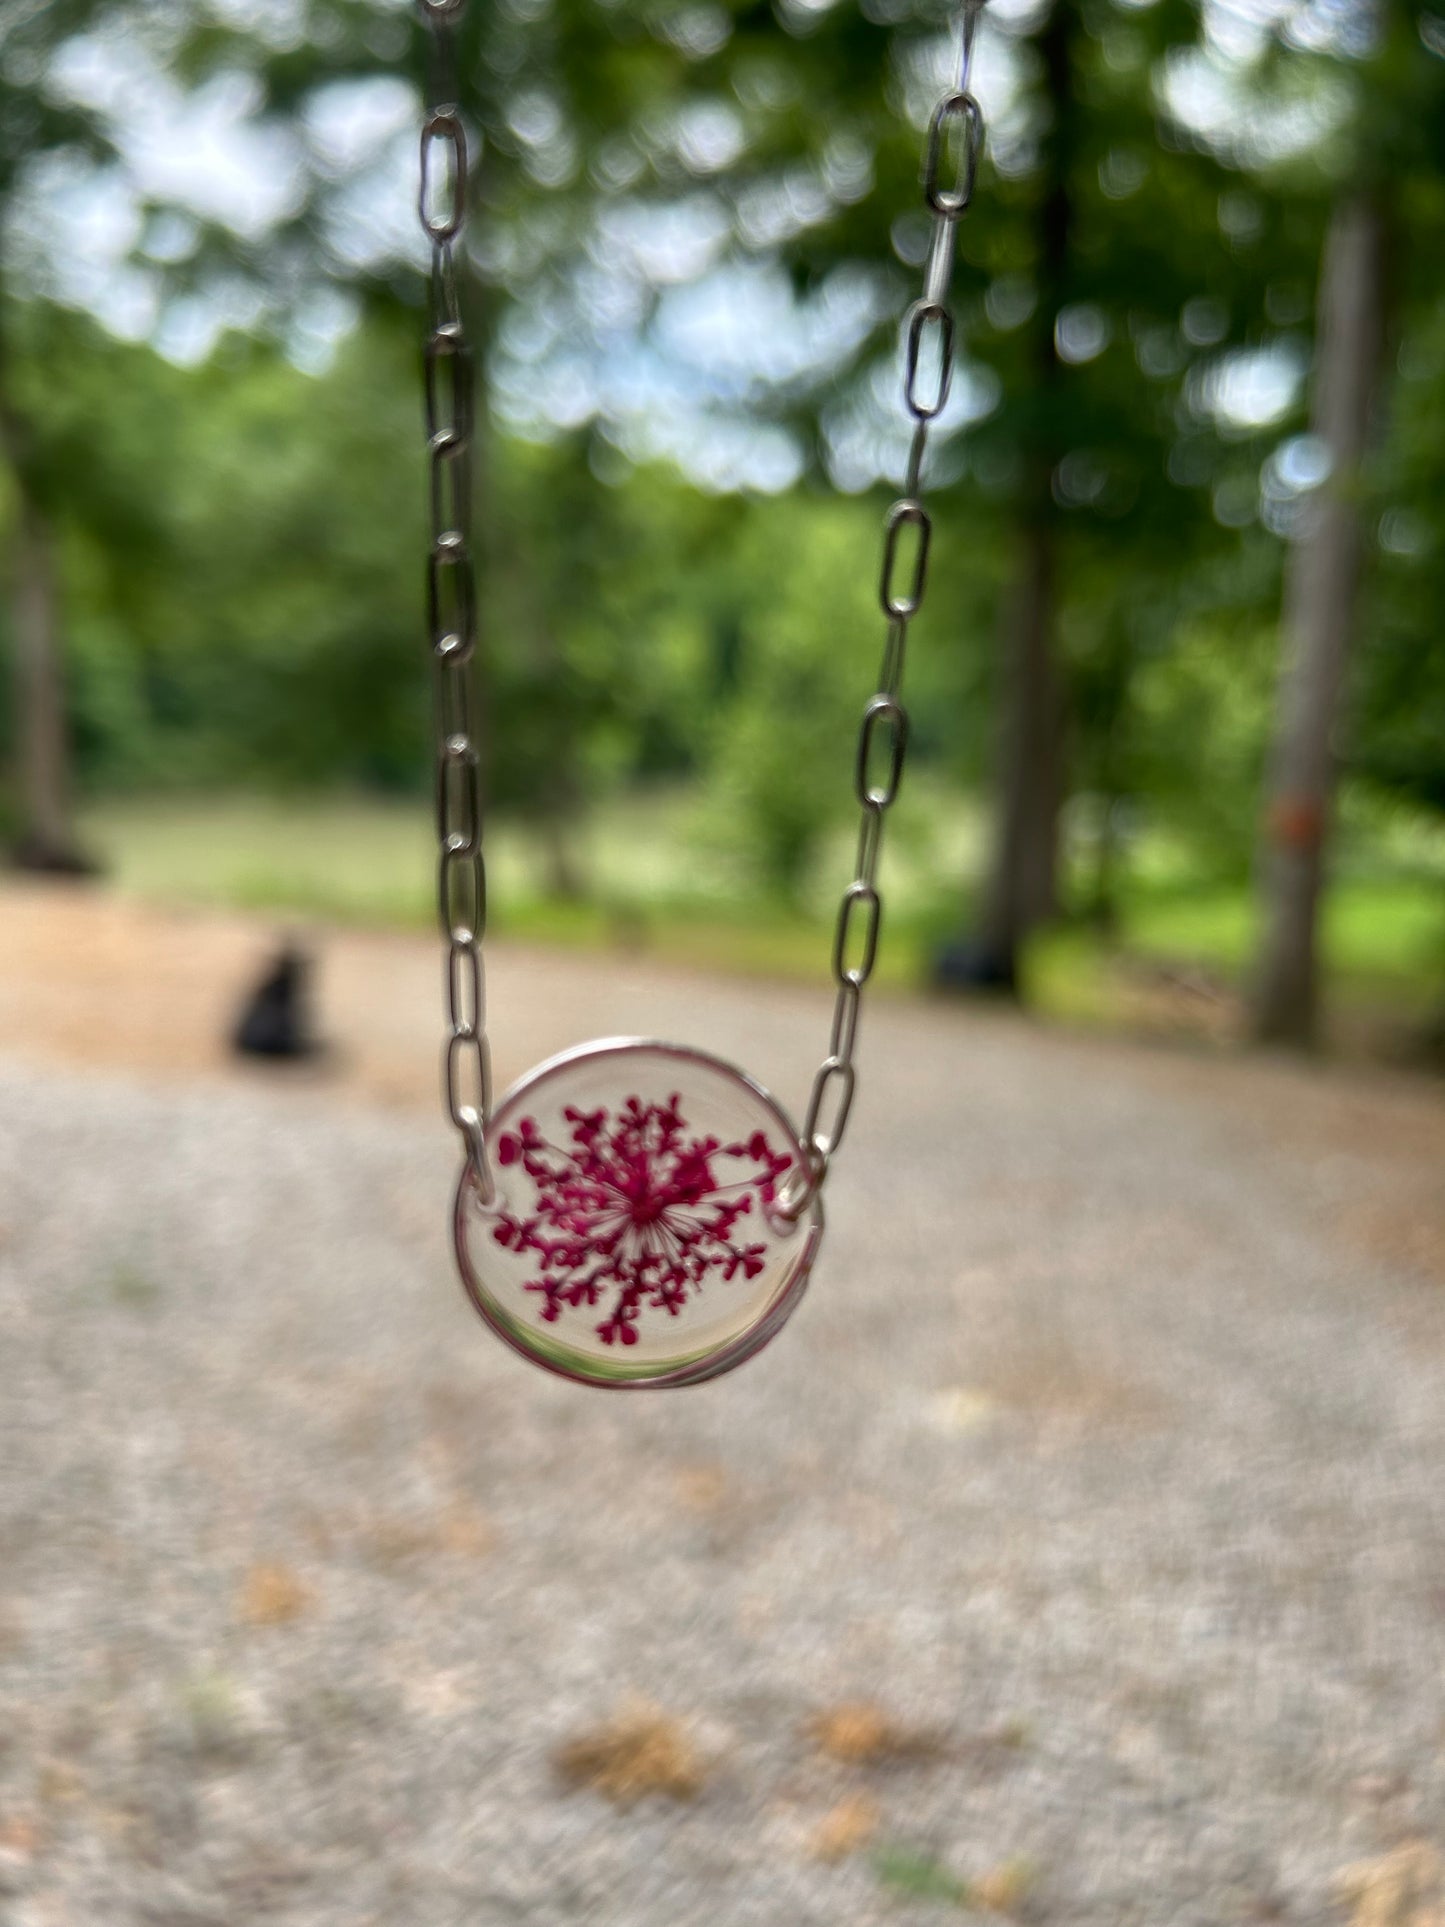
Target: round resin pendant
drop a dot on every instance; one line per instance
(634, 1238)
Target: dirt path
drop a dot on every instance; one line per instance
(1080, 1547)
(106, 983)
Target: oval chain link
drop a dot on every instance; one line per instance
(451, 609)
(928, 346)
(451, 602)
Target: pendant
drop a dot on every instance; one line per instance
(637, 1235)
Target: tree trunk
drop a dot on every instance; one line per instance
(1321, 594)
(46, 838)
(559, 810)
(1022, 890)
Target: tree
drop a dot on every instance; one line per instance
(1379, 277)
(31, 119)
(1321, 603)
(580, 108)
(1021, 891)
(1096, 286)
(47, 836)
(1114, 287)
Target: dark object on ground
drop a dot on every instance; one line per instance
(276, 1021)
(970, 965)
(52, 860)
(1430, 1047)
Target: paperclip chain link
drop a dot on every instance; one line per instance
(451, 601)
(928, 347)
(451, 607)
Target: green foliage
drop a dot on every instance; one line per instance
(240, 541)
(231, 609)
(921, 1876)
(1398, 735)
(809, 635)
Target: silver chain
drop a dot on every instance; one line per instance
(451, 603)
(883, 734)
(451, 608)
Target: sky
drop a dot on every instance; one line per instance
(661, 330)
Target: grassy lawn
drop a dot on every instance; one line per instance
(1383, 943)
(657, 880)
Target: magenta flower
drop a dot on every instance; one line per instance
(633, 1216)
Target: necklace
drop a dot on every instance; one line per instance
(632, 1212)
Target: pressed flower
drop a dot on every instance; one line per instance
(635, 1212)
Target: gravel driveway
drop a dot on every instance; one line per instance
(1103, 1468)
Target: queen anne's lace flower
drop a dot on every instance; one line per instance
(633, 1216)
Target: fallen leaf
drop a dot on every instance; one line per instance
(640, 1750)
(845, 1828)
(860, 1733)
(1003, 1889)
(272, 1595)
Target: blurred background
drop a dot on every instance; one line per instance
(1179, 698)
(1078, 1554)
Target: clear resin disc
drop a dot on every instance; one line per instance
(634, 1238)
